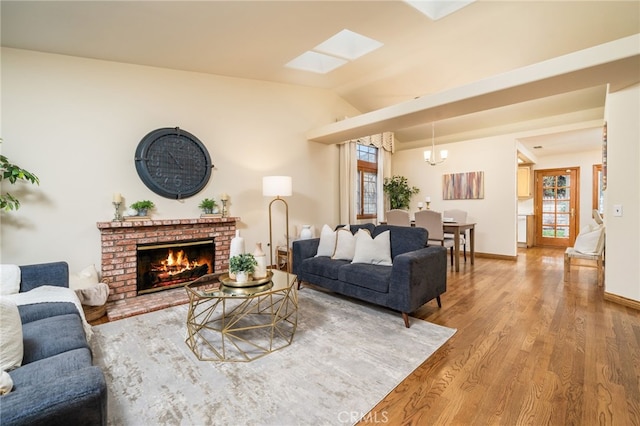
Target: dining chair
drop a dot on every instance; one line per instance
(398, 217)
(432, 221)
(459, 216)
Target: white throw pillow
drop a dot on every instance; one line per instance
(11, 349)
(6, 383)
(376, 251)
(590, 240)
(86, 278)
(9, 279)
(345, 245)
(327, 245)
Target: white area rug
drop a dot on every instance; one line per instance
(345, 357)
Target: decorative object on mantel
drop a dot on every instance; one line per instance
(224, 198)
(463, 186)
(209, 208)
(430, 155)
(428, 201)
(117, 200)
(277, 186)
(142, 207)
(136, 217)
(399, 191)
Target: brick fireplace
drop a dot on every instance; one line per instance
(120, 241)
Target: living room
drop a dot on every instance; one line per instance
(89, 115)
(76, 122)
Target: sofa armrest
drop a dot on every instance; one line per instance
(54, 273)
(303, 249)
(418, 276)
(77, 398)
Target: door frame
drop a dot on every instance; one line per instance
(575, 201)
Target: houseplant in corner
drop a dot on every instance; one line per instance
(142, 207)
(399, 192)
(13, 173)
(242, 265)
(208, 205)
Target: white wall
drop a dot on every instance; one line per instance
(622, 271)
(495, 215)
(76, 123)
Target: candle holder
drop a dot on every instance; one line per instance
(420, 207)
(225, 212)
(428, 204)
(117, 217)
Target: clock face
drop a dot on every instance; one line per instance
(173, 163)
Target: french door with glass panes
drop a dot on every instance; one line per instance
(556, 204)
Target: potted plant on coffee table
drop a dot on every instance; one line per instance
(242, 265)
(142, 207)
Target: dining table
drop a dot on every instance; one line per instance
(458, 229)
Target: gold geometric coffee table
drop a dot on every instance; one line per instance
(240, 325)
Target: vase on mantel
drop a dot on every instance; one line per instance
(261, 258)
(236, 248)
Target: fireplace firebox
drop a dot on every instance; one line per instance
(165, 266)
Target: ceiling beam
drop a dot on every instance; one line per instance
(616, 63)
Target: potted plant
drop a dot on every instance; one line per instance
(399, 192)
(242, 265)
(208, 205)
(142, 207)
(13, 173)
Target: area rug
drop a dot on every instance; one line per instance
(345, 357)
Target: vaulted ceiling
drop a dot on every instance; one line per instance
(419, 57)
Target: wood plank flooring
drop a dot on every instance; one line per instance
(529, 350)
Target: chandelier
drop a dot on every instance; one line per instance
(430, 155)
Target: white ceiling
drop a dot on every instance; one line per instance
(255, 39)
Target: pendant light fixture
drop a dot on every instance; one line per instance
(430, 155)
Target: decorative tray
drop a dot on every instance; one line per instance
(226, 281)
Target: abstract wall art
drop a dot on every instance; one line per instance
(463, 186)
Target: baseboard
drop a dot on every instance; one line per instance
(630, 303)
(495, 256)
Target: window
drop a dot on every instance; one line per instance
(367, 190)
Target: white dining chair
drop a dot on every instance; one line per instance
(459, 216)
(398, 217)
(432, 222)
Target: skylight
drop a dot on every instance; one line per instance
(437, 9)
(334, 52)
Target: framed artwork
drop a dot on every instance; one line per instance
(463, 186)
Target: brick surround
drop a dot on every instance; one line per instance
(119, 241)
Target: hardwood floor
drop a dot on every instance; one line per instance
(530, 349)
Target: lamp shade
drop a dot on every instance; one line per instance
(276, 186)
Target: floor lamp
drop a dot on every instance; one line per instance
(277, 186)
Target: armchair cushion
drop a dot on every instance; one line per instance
(590, 240)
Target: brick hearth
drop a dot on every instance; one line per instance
(119, 241)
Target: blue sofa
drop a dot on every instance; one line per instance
(418, 273)
(57, 383)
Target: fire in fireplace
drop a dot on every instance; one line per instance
(165, 266)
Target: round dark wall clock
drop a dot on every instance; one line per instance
(173, 163)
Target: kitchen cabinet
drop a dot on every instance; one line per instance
(525, 187)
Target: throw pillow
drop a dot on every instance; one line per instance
(327, 245)
(376, 251)
(9, 279)
(12, 349)
(345, 245)
(86, 278)
(6, 383)
(589, 240)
